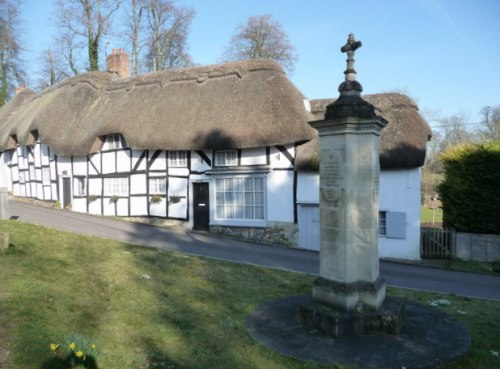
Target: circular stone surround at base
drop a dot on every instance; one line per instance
(429, 338)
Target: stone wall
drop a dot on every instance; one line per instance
(276, 233)
(477, 247)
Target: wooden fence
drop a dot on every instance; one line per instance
(436, 243)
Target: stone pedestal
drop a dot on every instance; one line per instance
(349, 181)
(4, 204)
(4, 241)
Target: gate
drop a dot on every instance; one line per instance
(435, 243)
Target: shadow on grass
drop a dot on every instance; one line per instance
(68, 363)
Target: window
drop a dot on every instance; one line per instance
(226, 158)
(80, 188)
(382, 223)
(116, 186)
(177, 159)
(240, 198)
(112, 142)
(21, 177)
(392, 224)
(157, 186)
(46, 176)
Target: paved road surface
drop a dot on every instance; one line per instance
(198, 243)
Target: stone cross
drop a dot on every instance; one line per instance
(349, 48)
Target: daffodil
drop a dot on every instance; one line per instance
(54, 346)
(79, 354)
(72, 346)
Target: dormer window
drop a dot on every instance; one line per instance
(112, 142)
(226, 158)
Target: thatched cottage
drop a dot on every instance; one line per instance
(225, 148)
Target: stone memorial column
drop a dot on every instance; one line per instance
(4, 203)
(349, 181)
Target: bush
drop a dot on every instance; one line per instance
(470, 192)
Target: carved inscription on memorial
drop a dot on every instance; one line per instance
(330, 186)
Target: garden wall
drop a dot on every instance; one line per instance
(477, 247)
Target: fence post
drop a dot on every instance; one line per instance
(453, 243)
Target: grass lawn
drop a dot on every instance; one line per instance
(426, 215)
(147, 308)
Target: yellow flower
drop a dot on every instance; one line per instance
(79, 354)
(93, 346)
(72, 346)
(54, 346)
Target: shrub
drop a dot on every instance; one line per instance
(470, 191)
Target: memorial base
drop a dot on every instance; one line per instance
(347, 296)
(363, 321)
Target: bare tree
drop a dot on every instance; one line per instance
(10, 48)
(454, 131)
(89, 20)
(52, 69)
(491, 122)
(261, 38)
(168, 26)
(134, 20)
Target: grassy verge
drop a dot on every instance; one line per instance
(147, 308)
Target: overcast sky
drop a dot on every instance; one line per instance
(445, 54)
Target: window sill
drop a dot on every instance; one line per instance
(239, 223)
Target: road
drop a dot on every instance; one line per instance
(204, 244)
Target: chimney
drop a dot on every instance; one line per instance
(118, 62)
(20, 88)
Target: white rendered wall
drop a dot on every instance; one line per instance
(400, 192)
(280, 196)
(5, 179)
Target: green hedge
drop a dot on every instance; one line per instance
(470, 192)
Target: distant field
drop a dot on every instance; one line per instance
(427, 217)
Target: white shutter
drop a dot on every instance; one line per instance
(396, 224)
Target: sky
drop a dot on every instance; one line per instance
(445, 54)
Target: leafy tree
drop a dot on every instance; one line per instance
(261, 38)
(11, 71)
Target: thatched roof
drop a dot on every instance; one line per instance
(243, 104)
(403, 140)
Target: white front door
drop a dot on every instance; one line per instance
(308, 219)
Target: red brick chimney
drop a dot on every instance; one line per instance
(119, 62)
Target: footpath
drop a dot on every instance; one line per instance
(205, 244)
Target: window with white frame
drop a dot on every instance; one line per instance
(382, 223)
(112, 142)
(177, 158)
(46, 176)
(80, 186)
(157, 186)
(226, 158)
(116, 186)
(240, 198)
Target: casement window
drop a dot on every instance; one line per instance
(392, 224)
(46, 176)
(116, 186)
(226, 158)
(240, 198)
(177, 159)
(80, 187)
(157, 186)
(112, 142)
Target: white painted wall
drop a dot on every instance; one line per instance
(5, 178)
(400, 192)
(280, 199)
